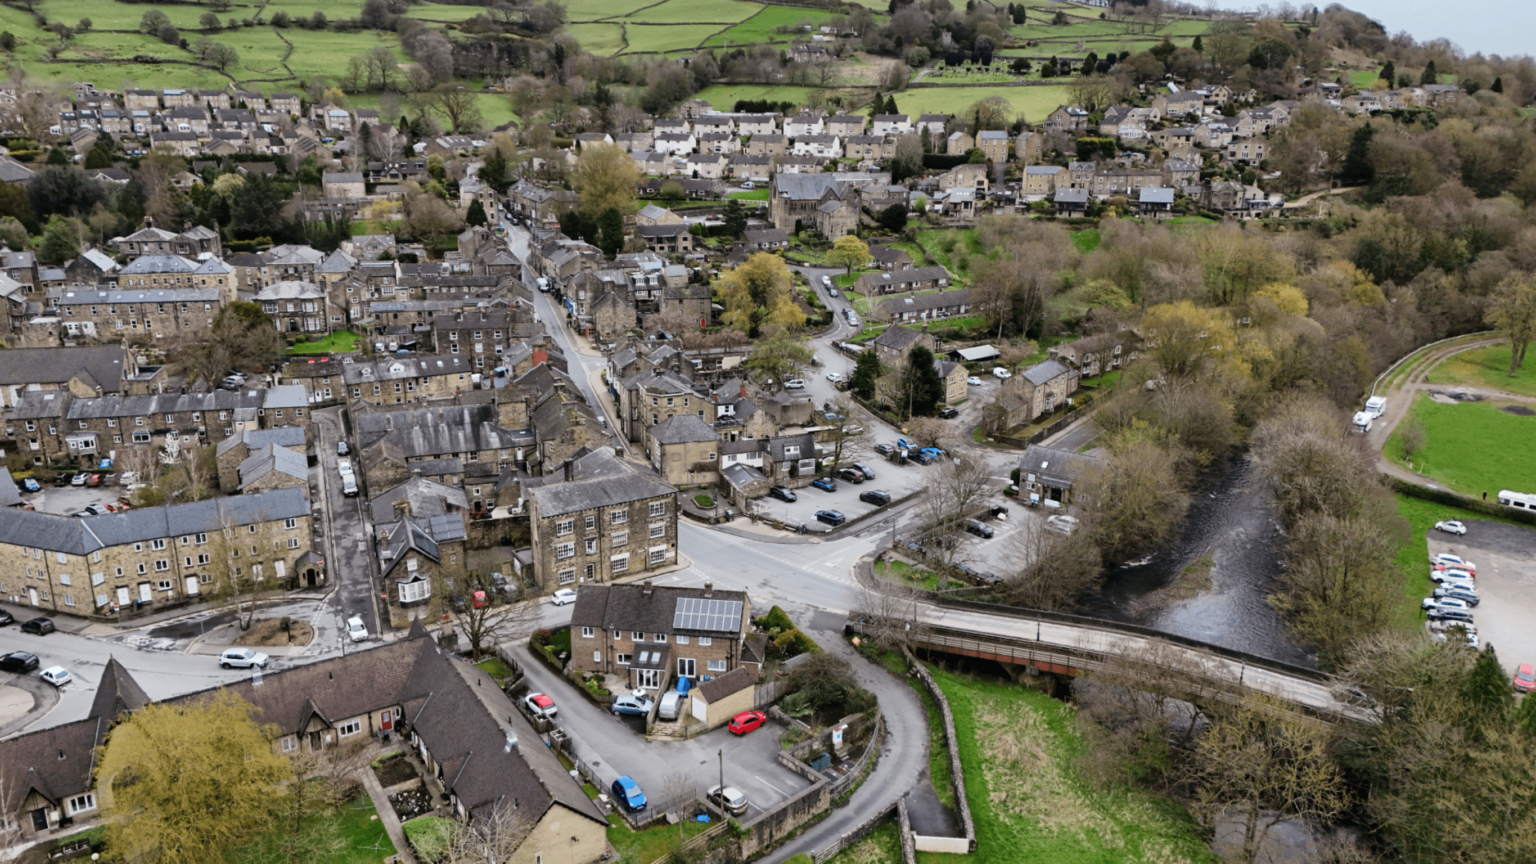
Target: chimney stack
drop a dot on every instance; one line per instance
(647, 591)
(709, 589)
(743, 389)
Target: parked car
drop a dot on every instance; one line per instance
(58, 676)
(864, 469)
(795, 384)
(627, 792)
(30, 485)
(922, 458)
(1440, 574)
(834, 377)
(875, 497)
(39, 626)
(1450, 614)
(827, 281)
(541, 705)
(91, 510)
(852, 475)
(356, 630)
(783, 494)
(1451, 527)
(671, 704)
(973, 381)
(95, 479)
(1061, 523)
(242, 658)
(746, 721)
(730, 799)
(348, 486)
(1001, 373)
(935, 452)
(826, 484)
(949, 413)
(884, 449)
(344, 467)
(833, 292)
(563, 597)
(342, 449)
(18, 661)
(831, 517)
(1449, 560)
(79, 479)
(979, 528)
(628, 704)
(1443, 603)
(6, 618)
(1525, 678)
(1457, 592)
(63, 478)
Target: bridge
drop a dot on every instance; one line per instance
(1036, 641)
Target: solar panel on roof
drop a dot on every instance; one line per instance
(698, 613)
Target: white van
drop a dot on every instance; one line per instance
(1376, 406)
(349, 485)
(671, 702)
(543, 284)
(1517, 500)
(1362, 421)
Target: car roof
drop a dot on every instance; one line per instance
(626, 781)
(542, 699)
(1526, 667)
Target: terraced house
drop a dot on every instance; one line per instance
(174, 271)
(600, 519)
(112, 315)
(396, 380)
(153, 557)
(649, 633)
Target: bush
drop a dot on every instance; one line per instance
(428, 836)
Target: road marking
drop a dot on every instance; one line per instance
(771, 786)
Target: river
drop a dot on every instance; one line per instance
(1239, 529)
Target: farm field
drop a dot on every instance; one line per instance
(598, 10)
(762, 27)
(1472, 447)
(660, 38)
(724, 96)
(601, 39)
(1486, 367)
(696, 12)
(443, 12)
(1033, 102)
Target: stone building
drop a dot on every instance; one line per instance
(115, 315)
(648, 633)
(1037, 391)
(685, 451)
(601, 520)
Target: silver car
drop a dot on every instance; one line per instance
(242, 658)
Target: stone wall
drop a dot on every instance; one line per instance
(775, 824)
(956, 770)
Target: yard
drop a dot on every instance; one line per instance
(363, 840)
(1472, 447)
(338, 342)
(754, 195)
(650, 844)
(1028, 800)
(1486, 367)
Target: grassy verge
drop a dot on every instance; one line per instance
(1030, 803)
(338, 342)
(938, 751)
(1485, 367)
(493, 667)
(909, 574)
(879, 845)
(1087, 240)
(1471, 447)
(754, 195)
(650, 844)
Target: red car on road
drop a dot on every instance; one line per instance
(1525, 678)
(746, 721)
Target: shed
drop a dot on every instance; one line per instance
(975, 354)
(717, 700)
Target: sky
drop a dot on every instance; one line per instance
(1488, 26)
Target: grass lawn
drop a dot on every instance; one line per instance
(954, 254)
(1486, 367)
(1033, 102)
(925, 579)
(697, 12)
(493, 667)
(339, 342)
(1190, 223)
(879, 845)
(599, 39)
(763, 27)
(366, 840)
(958, 326)
(1028, 800)
(1086, 240)
(754, 195)
(1363, 79)
(442, 12)
(1472, 447)
(650, 844)
(596, 10)
(657, 38)
(724, 96)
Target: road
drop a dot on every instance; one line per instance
(348, 547)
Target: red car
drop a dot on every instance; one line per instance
(746, 721)
(93, 480)
(1525, 678)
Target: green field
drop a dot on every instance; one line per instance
(341, 342)
(1364, 78)
(762, 27)
(657, 38)
(600, 39)
(697, 12)
(1033, 102)
(1087, 240)
(754, 195)
(724, 96)
(1019, 749)
(597, 10)
(1486, 367)
(1472, 447)
(442, 12)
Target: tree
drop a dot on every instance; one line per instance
(1010, 293)
(483, 612)
(1136, 499)
(846, 437)
(778, 358)
(1357, 169)
(894, 217)
(1512, 312)
(866, 374)
(61, 240)
(242, 337)
(220, 56)
(605, 177)
(956, 487)
(1430, 75)
(457, 106)
(1056, 569)
(1261, 760)
(1186, 340)
(918, 389)
(210, 21)
(734, 215)
(476, 215)
(1388, 73)
(178, 779)
(1339, 582)
(1272, 53)
(1198, 45)
(427, 217)
(1487, 690)
(849, 252)
(63, 190)
(610, 228)
(756, 294)
(492, 837)
(152, 21)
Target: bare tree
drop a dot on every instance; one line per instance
(1056, 569)
(957, 486)
(495, 837)
(197, 467)
(232, 573)
(847, 438)
(481, 610)
(890, 612)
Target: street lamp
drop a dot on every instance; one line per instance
(721, 755)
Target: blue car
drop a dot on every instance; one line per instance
(826, 483)
(30, 485)
(904, 444)
(935, 452)
(627, 792)
(831, 517)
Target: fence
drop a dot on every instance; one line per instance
(841, 784)
(1056, 426)
(768, 693)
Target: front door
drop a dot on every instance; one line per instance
(144, 595)
(386, 720)
(315, 741)
(32, 596)
(40, 819)
(191, 585)
(122, 597)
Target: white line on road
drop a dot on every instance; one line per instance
(771, 786)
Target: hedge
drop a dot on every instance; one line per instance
(1465, 502)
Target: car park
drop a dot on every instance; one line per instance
(1001, 373)
(242, 658)
(783, 494)
(38, 626)
(746, 721)
(562, 597)
(356, 630)
(795, 384)
(973, 381)
(729, 799)
(1525, 678)
(1463, 584)
(541, 705)
(922, 458)
(949, 413)
(1449, 614)
(1448, 560)
(671, 704)
(1443, 603)
(19, 662)
(627, 792)
(826, 484)
(1061, 523)
(831, 517)
(852, 475)
(631, 704)
(875, 497)
(979, 528)
(58, 676)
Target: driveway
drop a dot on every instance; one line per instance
(612, 746)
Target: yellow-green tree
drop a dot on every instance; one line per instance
(1185, 339)
(604, 177)
(183, 782)
(1287, 298)
(1512, 312)
(849, 252)
(756, 295)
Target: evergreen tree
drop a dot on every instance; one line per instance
(1498, 85)
(56, 157)
(1487, 689)
(61, 240)
(890, 105)
(1525, 717)
(1430, 76)
(921, 385)
(893, 218)
(1198, 45)
(735, 217)
(1388, 73)
(866, 373)
(1357, 169)
(476, 214)
(610, 225)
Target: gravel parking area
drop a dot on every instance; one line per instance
(1505, 556)
(68, 500)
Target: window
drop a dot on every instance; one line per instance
(619, 563)
(290, 743)
(658, 529)
(351, 727)
(620, 538)
(637, 636)
(410, 592)
(290, 523)
(203, 559)
(566, 577)
(591, 547)
(658, 555)
(682, 640)
(597, 657)
(621, 659)
(157, 545)
(717, 665)
(619, 517)
(162, 565)
(659, 637)
(590, 573)
(293, 542)
(659, 508)
(564, 527)
(164, 585)
(564, 551)
(81, 803)
(201, 538)
(586, 632)
(591, 522)
(63, 578)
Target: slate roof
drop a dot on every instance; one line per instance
(603, 491)
(147, 295)
(925, 302)
(426, 498)
(897, 338)
(721, 686)
(683, 429)
(148, 264)
(437, 431)
(273, 458)
(636, 606)
(282, 436)
(10, 496)
(102, 363)
(291, 290)
(1057, 464)
(83, 535)
(1043, 372)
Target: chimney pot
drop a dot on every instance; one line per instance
(647, 591)
(709, 589)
